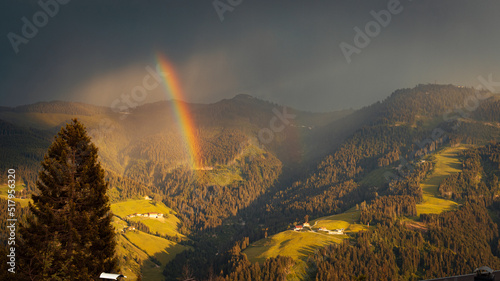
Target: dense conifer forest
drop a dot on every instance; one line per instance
(246, 191)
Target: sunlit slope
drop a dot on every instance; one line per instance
(140, 252)
(125, 208)
(4, 189)
(166, 225)
(446, 162)
(299, 245)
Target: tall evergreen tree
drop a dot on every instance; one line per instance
(69, 234)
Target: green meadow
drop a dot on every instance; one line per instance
(446, 162)
(144, 252)
(4, 188)
(300, 244)
(125, 208)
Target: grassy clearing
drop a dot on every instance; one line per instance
(19, 186)
(125, 208)
(222, 175)
(160, 248)
(347, 220)
(118, 224)
(137, 247)
(376, 177)
(151, 271)
(4, 188)
(164, 226)
(289, 243)
(299, 245)
(133, 254)
(446, 163)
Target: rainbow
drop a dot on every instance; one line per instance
(181, 109)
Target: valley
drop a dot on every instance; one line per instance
(300, 245)
(241, 201)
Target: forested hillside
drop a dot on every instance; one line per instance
(244, 188)
(144, 154)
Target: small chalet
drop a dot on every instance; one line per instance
(298, 228)
(153, 215)
(337, 231)
(306, 224)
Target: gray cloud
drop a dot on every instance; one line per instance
(284, 51)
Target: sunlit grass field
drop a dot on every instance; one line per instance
(160, 248)
(447, 162)
(152, 246)
(4, 188)
(347, 220)
(300, 244)
(125, 208)
(142, 246)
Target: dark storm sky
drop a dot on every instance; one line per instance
(286, 51)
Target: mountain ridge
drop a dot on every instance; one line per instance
(315, 166)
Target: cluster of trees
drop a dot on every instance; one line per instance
(389, 158)
(387, 209)
(478, 180)
(162, 148)
(272, 269)
(220, 148)
(232, 265)
(409, 184)
(457, 186)
(123, 188)
(139, 226)
(454, 243)
(205, 206)
(489, 110)
(169, 149)
(430, 100)
(400, 197)
(475, 133)
(23, 149)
